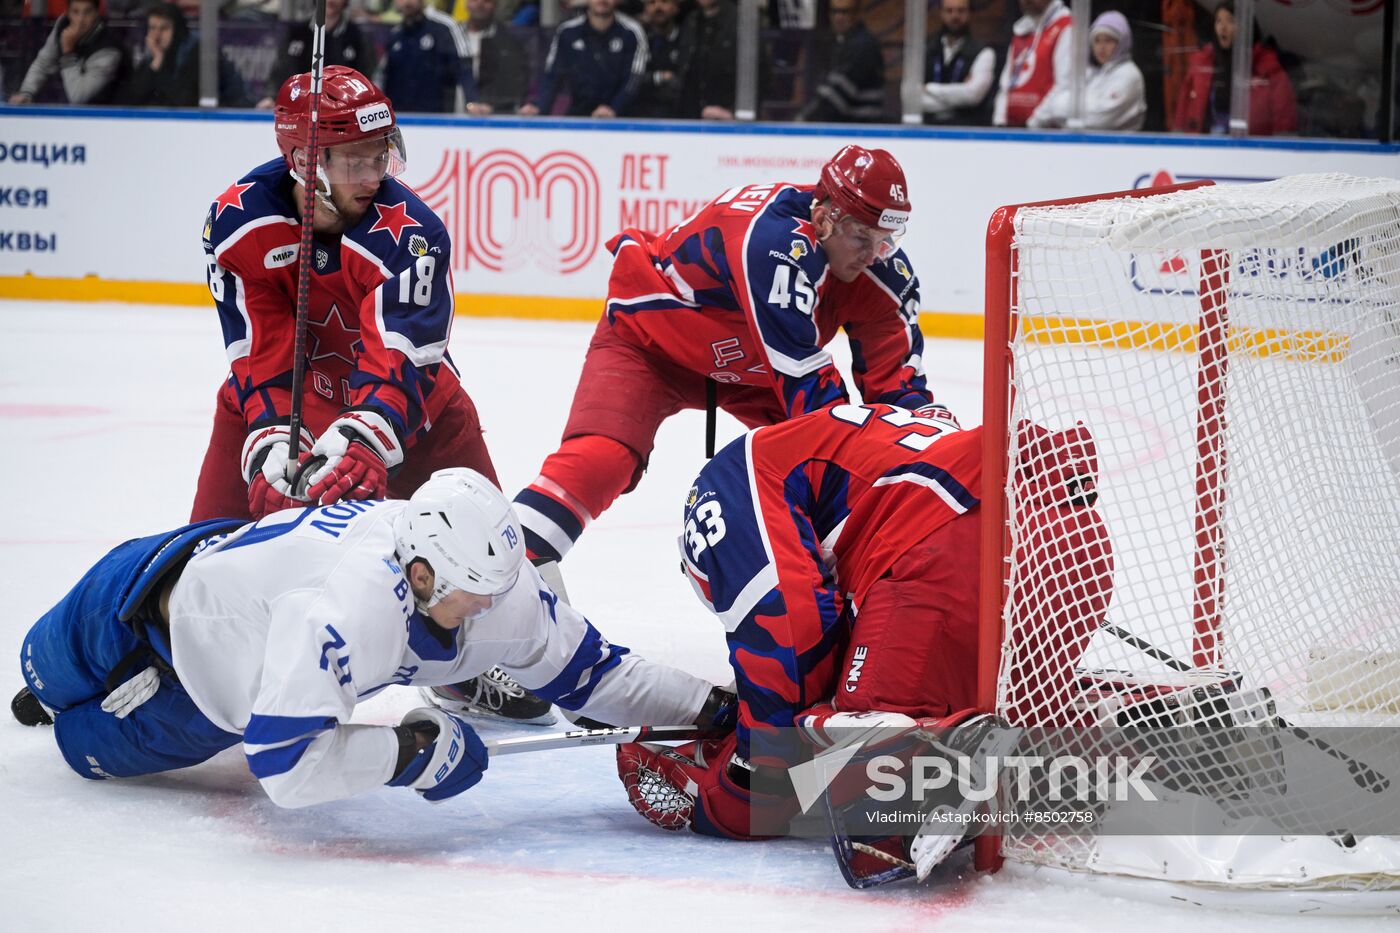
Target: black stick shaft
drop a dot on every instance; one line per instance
(308, 221)
(1365, 777)
(711, 404)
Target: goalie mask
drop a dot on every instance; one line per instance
(467, 532)
(867, 187)
(351, 111)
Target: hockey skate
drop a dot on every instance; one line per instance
(28, 710)
(492, 695)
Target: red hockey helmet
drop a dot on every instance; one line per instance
(867, 185)
(352, 110)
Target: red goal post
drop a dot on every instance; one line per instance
(999, 324)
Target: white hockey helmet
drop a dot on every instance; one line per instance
(462, 525)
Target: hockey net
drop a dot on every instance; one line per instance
(1234, 352)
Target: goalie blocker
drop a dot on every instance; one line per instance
(840, 552)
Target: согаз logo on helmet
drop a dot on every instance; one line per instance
(373, 116)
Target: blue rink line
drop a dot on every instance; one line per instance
(715, 128)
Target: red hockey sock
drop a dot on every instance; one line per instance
(576, 484)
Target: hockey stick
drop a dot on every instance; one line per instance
(304, 259)
(1362, 774)
(711, 403)
(579, 738)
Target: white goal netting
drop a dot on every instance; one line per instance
(1234, 352)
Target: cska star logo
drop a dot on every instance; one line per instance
(232, 197)
(334, 337)
(393, 219)
(804, 228)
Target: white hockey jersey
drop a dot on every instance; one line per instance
(279, 628)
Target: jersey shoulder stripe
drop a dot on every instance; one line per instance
(259, 199)
(450, 26)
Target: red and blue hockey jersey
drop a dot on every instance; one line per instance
(381, 305)
(740, 292)
(788, 527)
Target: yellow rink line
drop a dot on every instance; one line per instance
(1302, 345)
(1305, 346)
(529, 307)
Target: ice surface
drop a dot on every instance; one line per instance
(104, 412)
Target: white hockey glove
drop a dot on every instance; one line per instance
(264, 465)
(121, 701)
(359, 448)
(454, 762)
(941, 413)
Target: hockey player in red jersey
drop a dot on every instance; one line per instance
(840, 552)
(382, 400)
(740, 299)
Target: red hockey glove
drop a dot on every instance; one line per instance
(691, 786)
(264, 466)
(359, 447)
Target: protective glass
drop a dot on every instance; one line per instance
(442, 589)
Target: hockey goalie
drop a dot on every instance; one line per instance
(840, 552)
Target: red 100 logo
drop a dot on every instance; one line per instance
(505, 211)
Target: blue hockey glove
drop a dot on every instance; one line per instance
(454, 762)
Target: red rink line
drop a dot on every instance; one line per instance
(51, 411)
(918, 905)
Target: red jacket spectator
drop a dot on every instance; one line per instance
(1272, 107)
(1203, 105)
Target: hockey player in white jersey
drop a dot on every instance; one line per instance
(177, 646)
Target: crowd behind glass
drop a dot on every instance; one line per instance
(1185, 66)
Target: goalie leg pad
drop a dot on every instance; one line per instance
(869, 860)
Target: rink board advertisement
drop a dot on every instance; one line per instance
(112, 206)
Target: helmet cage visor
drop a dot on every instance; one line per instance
(879, 243)
(358, 161)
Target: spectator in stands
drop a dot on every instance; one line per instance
(1114, 92)
(1203, 105)
(600, 56)
(660, 91)
(1039, 58)
(853, 90)
(81, 49)
(517, 12)
(425, 63)
(346, 45)
(167, 72)
(496, 62)
(959, 72)
(709, 41)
